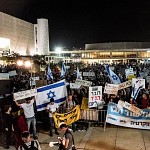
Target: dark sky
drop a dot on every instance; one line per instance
(74, 23)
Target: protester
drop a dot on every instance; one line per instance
(145, 101)
(68, 138)
(120, 104)
(52, 107)
(8, 124)
(28, 143)
(28, 108)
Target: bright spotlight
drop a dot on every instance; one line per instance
(27, 64)
(19, 62)
(58, 49)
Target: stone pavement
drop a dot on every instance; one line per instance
(95, 138)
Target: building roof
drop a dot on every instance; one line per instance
(117, 46)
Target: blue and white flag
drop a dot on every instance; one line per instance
(137, 85)
(57, 91)
(113, 77)
(63, 70)
(49, 73)
(79, 76)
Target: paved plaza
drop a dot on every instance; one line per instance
(95, 138)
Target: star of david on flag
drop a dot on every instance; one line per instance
(57, 90)
(113, 77)
(51, 94)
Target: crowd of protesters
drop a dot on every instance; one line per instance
(21, 82)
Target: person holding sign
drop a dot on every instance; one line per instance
(28, 108)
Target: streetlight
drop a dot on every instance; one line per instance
(20, 63)
(58, 50)
(27, 64)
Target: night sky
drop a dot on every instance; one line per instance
(74, 23)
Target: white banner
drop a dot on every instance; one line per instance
(95, 96)
(74, 86)
(4, 76)
(87, 74)
(111, 89)
(125, 85)
(83, 82)
(127, 118)
(12, 73)
(24, 94)
(35, 78)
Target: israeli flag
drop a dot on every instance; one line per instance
(63, 70)
(49, 73)
(137, 85)
(57, 91)
(113, 77)
(79, 76)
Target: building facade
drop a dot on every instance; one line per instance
(105, 53)
(23, 37)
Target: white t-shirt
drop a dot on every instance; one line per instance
(52, 108)
(28, 109)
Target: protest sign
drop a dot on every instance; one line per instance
(95, 96)
(127, 118)
(111, 89)
(132, 108)
(68, 118)
(88, 74)
(24, 94)
(12, 73)
(4, 76)
(84, 104)
(125, 85)
(74, 86)
(83, 82)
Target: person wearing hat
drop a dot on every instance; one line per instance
(28, 108)
(51, 108)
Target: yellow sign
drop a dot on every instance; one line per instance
(84, 104)
(68, 118)
(131, 76)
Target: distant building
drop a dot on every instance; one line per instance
(112, 52)
(22, 37)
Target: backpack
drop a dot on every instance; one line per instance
(30, 148)
(73, 146)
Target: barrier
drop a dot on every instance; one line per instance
(102, 116)
(89, 115)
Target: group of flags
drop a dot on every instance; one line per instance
(50, 75)
(137, 84)
(56, 90)
(115, 79)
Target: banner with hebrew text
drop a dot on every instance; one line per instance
(68, 118)
(127, 118)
